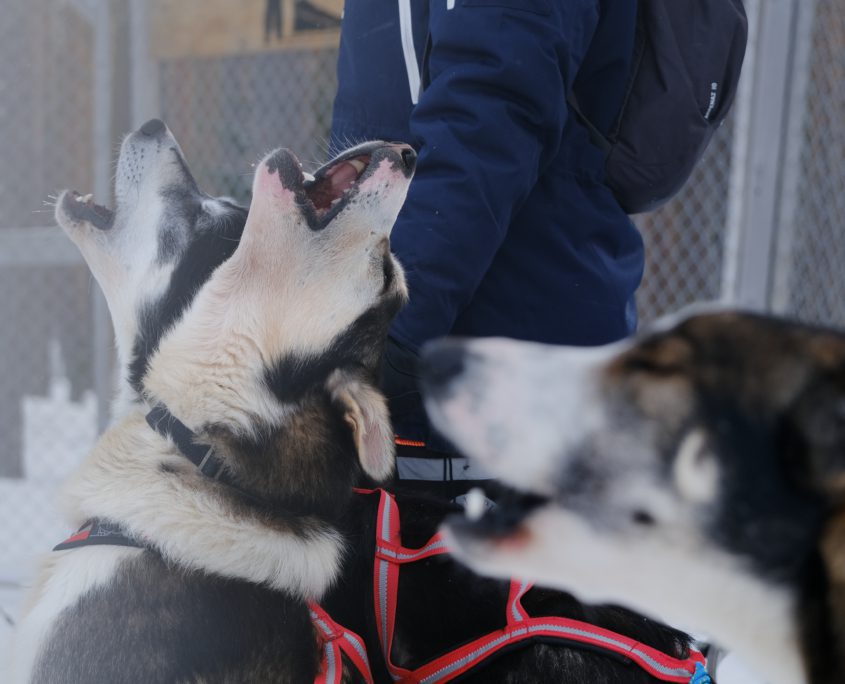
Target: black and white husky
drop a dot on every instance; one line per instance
(264, 340)
(263, 337)
(696, 472)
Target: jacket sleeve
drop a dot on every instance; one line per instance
(489, 121)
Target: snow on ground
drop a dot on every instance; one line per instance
(11, 599)
(57, 433)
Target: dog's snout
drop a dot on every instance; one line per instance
(153, 128)
(440, 363)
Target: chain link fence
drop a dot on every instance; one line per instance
(815, 252)
(48, 414)
(282, 98)
(234, 78)
(685, 239)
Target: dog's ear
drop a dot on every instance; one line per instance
(365, 410)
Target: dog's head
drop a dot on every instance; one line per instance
(658, 469)
(253, 330)
(279, 350)
(154, 251)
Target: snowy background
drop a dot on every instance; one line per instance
(29, 504)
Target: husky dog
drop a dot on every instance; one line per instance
(696, 472)
(263, 343)
(230, 327)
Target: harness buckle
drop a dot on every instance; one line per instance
(210, 466)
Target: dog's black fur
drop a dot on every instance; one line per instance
(257, 635)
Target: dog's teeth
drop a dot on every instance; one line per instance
(86, 198)
(358, 164)
(476, 503)
(308, 177)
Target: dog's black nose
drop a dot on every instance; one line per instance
(153, 128)
(440, 363)
(409, 158)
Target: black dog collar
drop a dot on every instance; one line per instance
(201, 455)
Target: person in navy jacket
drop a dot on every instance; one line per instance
(508, 229)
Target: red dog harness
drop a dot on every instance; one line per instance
(338, 641)
(519, 626)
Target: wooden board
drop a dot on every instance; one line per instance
(206, 28)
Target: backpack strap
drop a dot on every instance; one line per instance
(598, 138)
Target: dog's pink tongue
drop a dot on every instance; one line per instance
(342, 177)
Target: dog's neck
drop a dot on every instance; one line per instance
(753, 619)
(787, 635)
(139, 479)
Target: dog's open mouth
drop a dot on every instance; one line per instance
(503, 520)
(83, 208)
(333, 182)
(324, 194)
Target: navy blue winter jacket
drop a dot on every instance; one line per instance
(507, 229)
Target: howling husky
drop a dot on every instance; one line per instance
(261, 336)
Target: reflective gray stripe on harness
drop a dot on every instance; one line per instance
(439, 546)
(337, 640)
(439, 469)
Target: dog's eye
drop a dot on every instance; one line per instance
(649, 365)
(643, 518)
(666, 356)
(387, 270)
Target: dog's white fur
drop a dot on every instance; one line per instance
(184, 518)
(749, 618)
(268, 299)
(237, 323)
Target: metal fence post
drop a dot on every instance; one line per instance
(739, 159)
(102, 142)
(753, 220)
(799, 80)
